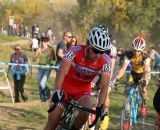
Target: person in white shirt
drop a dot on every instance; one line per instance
(34, 43)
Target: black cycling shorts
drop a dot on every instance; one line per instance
(136, 76)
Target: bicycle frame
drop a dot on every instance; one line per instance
(65, 122)
(68, 115)
(136, 99)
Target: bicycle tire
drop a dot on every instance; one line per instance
(66, 122)
(141, 121)
(125, 117)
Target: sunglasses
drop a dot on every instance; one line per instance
(136, 51)
(69, 36)
(97, 51)
(17, 49)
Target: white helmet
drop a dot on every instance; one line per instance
(103, 27)
(99, 39)
(138, 44)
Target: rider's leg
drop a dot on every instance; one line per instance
(54, 118)
(82, 115)
(107, 102)
(105, 121)
(144, 95)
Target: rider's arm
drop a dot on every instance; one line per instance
(113, 61)
(123, 69)
(146, 69)
(60, 53)
(63, 70)
(104, 83)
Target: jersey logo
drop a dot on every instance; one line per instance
(84, 70)
(107, 68)
(70, 55)
(75, 48)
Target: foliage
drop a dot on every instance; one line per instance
(45, 13)
(126, 18)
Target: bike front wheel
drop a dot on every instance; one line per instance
(126, 121)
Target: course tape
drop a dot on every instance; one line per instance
(30, 65)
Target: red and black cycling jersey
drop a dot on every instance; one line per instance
(83, 70)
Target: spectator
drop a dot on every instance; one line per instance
(21, 28)
(154, 55)
(34, 43)
(62, 47)
(3, 31)
(44, 55)
(10, 25)
(50, 35)
(19, 72)
(33, 30)
(73, 42)
(37, 29)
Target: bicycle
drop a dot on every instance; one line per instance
(130, 114)
(69, 114)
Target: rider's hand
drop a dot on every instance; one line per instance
(57, 96)
(99, 111)
(143, 83)
(113, 83)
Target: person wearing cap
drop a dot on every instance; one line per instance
(80, 65)
(19, 72)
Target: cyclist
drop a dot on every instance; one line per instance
(140, 63)
(78, 68)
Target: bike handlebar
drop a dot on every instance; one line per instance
(76, 105)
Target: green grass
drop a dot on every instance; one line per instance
(6, 38)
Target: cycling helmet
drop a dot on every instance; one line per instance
(138, 44)
(103, 27)
(98, 39)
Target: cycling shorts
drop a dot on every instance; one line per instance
(76, 95)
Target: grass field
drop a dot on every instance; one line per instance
(32, 115)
